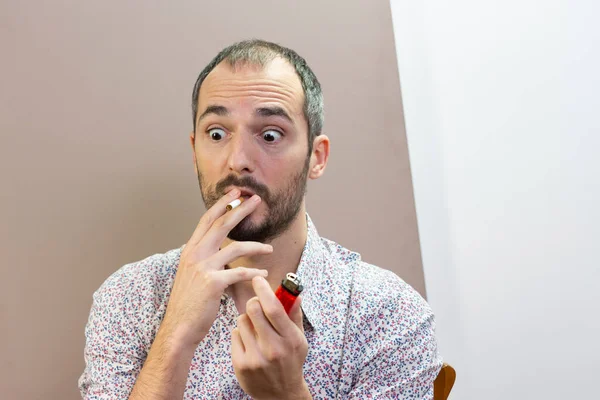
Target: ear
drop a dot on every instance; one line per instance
(319, 156)
(193, 143)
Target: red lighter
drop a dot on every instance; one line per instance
(288, 291)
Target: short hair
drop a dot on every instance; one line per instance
(260, 53)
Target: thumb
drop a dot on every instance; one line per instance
(296, 313)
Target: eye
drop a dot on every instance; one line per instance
(272, 136)
(216, 134)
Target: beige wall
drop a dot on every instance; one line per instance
(96, 165)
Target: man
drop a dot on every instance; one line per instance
(203, 322)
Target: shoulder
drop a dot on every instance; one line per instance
(373, 287)
(380, 289)
(387, 313)
(378, 296)
(138, 292)
(155, 272)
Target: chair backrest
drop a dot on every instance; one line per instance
(444, 382)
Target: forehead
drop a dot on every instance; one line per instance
(248, 85)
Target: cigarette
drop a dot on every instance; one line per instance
(234, 204)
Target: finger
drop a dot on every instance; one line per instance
(247, 334)
(272, 307)
(296, 313)
(266, 334)
(212, 214)
(237, 346)
(240, 274)
(236, 250)
(221, 227)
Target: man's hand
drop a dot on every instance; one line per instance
(202, 278)
(195, 298)
(268, 348)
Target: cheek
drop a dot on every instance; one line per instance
(282, 179)
(209, 164)
(276, 175)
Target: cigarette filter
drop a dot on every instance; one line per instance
(234, 204)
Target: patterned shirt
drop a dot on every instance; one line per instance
(370, 335)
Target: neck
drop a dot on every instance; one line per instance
(286, 255)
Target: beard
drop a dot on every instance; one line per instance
(282, 206)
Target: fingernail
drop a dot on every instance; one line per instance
(234, 192)
(264, 272)
(255, 198)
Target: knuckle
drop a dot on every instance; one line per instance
(240, 248)
(207, 219)
(253, 307)
(212, 280)
(195, 255)
(243, 273)
(274, 354)
(275, 312)
(209, 280)
(219, 223)
(254, 365)
(227, 222)
(242, 320)
(298, 343)
(235, 248)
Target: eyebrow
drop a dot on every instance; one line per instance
(222, 111)
(273, 112)
(214, 109)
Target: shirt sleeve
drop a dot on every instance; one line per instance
(113, 354)
(394, 348)
(400, 367)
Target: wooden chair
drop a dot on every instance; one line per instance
(444, 382)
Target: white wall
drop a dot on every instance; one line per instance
(503, 124)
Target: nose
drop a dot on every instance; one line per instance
(241, 157)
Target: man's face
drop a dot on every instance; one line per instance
(251, 133)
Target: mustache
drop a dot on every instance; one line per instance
(247, 182)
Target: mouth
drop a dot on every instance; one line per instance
(245, 193)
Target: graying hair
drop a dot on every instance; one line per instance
(260, 53)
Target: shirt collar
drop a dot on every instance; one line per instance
(309, 271)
